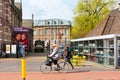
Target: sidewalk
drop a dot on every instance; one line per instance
(90, 75)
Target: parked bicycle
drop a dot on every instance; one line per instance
(48, 66)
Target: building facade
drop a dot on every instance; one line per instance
(52, 30)
(102, 44)
(10, 16)
(103, 49)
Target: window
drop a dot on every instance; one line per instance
(39, 32)
(52, 39)
(46, 31)
(66, 31)
(34, 32)
(61, 22)
(0, 24)
(59, 31)
(100, 43)
(46, 39)
(48, 23)
(65, 40)
(52, 32)
(55, 22)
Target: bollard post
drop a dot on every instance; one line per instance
(23, 65)
(23, 68)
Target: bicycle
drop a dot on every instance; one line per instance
(46, 68)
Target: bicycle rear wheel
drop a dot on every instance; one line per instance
(45, 68)
(64, 67)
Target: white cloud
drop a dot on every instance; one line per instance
(50, 9)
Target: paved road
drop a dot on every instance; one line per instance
(11, 67)
(14, 64)
(35, 59)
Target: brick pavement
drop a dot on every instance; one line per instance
(89, 75)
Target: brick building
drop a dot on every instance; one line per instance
(52, 30)
(10, 16)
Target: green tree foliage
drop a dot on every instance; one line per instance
(88, 14)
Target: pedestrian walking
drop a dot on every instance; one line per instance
(71, 49)
(68, 56)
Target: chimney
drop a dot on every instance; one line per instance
(119, 6)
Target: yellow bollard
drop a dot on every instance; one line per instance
(23, 68)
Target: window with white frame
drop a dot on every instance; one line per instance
(55, 22)
(39, 38)
(39, 32)
(52, 31)
(61, 22)
(48, 23)
(34, 32)
(52, 39)
(66, 31)
(65, 40)
(59, 30)
(46, 39)
(46, 31)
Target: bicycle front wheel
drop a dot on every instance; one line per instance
(64, 67)
(45, 68)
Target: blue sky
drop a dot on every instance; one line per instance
(46, 9)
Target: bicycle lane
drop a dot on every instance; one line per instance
(90, 75)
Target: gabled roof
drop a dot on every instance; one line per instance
(110, 25)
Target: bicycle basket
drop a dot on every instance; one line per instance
(48, 62)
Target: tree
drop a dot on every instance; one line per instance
(88, 14)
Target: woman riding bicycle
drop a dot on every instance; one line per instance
(54, 57)
(55, 54)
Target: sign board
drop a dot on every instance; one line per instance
(8, 49)
(13, 49)
(21, 36)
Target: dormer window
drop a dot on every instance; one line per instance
(61, 22)
(55, 22)
(48, 23)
